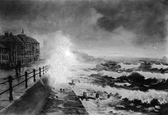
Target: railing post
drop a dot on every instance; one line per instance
(34, 75)
(40, 72)
(43, 70)
(10, 88)
(26, 86)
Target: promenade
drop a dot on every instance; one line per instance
(63, 102)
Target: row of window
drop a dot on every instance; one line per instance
(4, 57)
(31, 46)
(26, 46)
(3, 51)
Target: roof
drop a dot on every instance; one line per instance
(20, 38)
(10, 38)
(26, 39)
(2, 46)
(33, 40)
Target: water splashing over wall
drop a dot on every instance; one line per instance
(61, 59)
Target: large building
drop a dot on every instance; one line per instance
(19, 48)
(4, 54)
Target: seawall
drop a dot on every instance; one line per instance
(31, 102)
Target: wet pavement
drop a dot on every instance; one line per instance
(63, 102)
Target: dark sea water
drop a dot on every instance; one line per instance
(128, 96)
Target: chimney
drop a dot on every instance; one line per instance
(6, 34)
(22, 31)
(10, 34)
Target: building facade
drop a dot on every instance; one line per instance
(4, 55)
(20, 48)
(31, 48)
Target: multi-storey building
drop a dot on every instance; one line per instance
(4, 55)
(31, 48)
(21, 48)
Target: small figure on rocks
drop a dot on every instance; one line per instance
(97, 99)
(117, 96)
(109, 95)
(85, 95)
(56, 96)
(61, 90)
(97, 95)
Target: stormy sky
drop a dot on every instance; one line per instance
(99, 27)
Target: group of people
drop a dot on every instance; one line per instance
(62, 90)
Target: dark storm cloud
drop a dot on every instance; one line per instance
(144, 17)
(42, 16)
(10, 10)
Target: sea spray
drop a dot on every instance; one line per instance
(61, 59)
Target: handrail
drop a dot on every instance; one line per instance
(29, 77)
(4, 91)
(45, 68)
(19, 77)
(35, 72)
(18, 83)
(30, 72)
(3, 82)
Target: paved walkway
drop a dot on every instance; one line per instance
(17, 92)
(31, 102)
(63, 103)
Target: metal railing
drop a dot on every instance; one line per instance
(26, 76)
